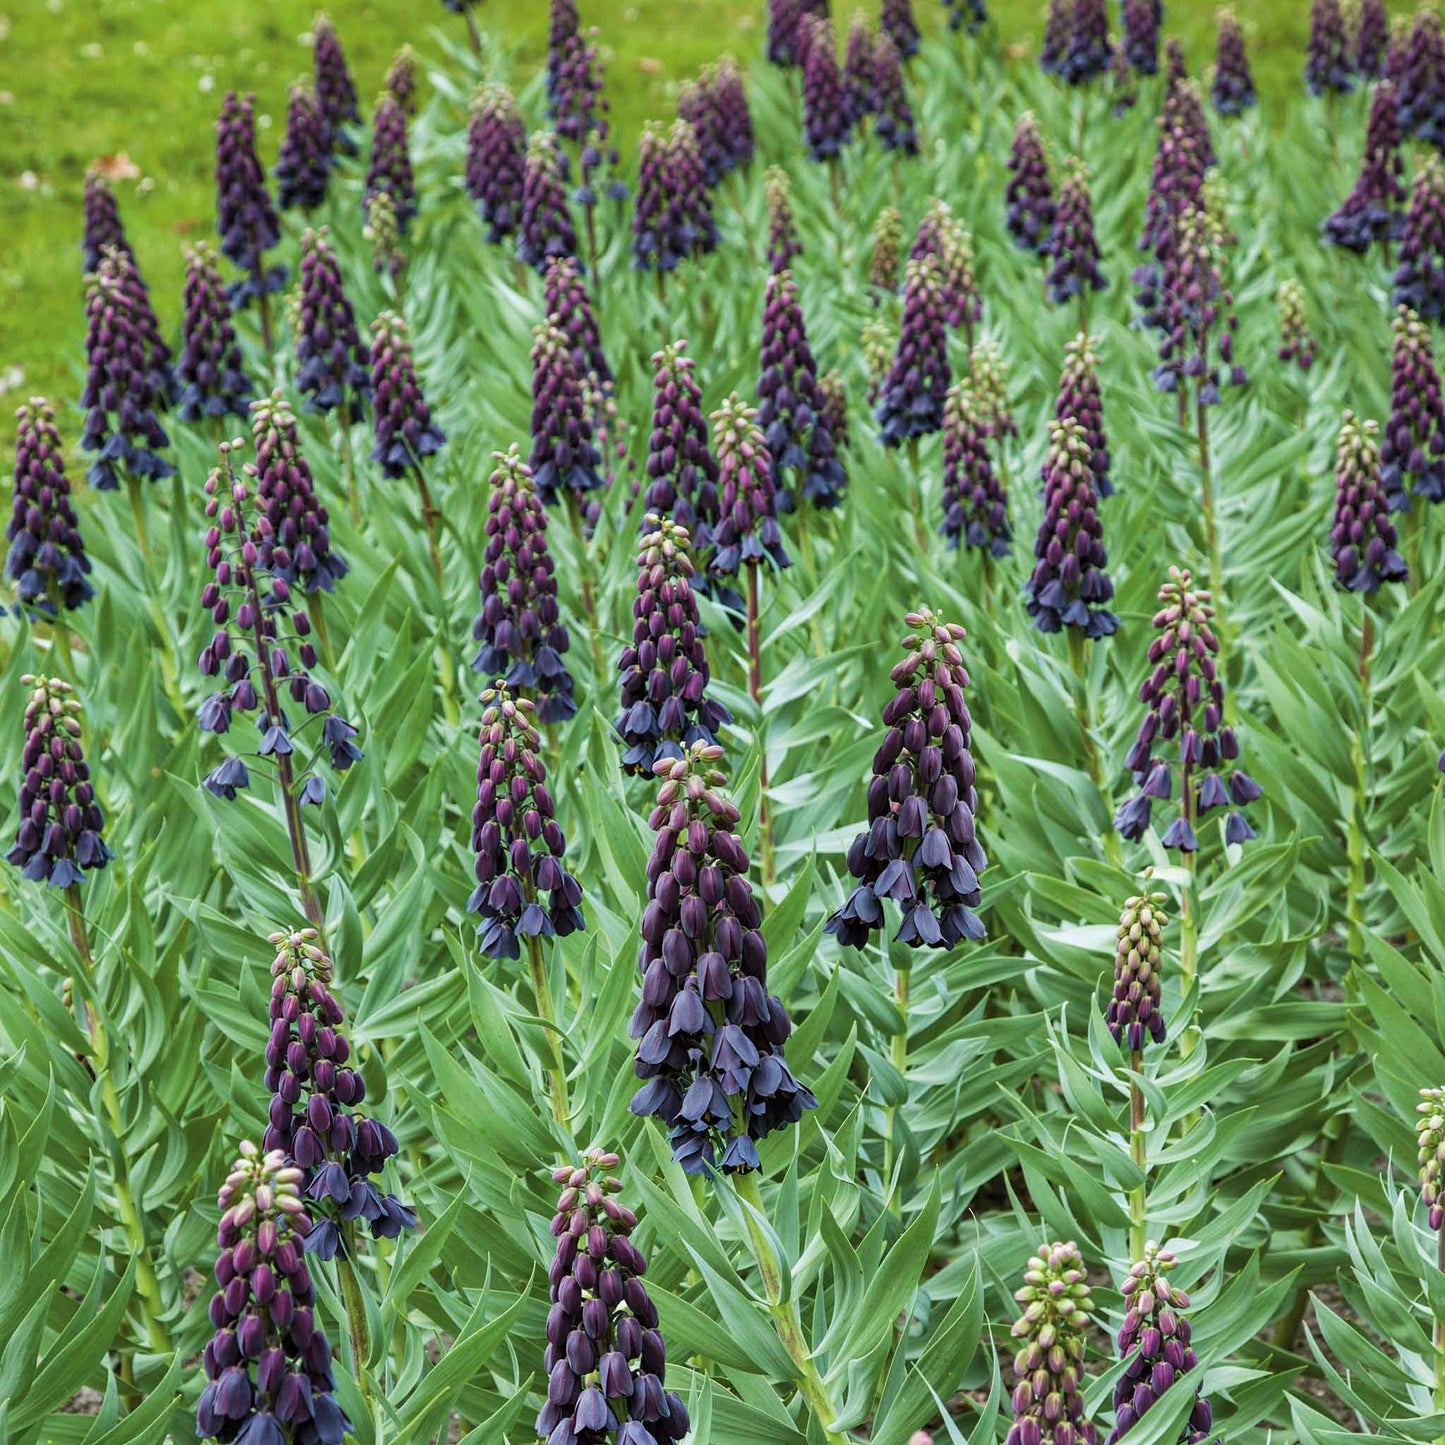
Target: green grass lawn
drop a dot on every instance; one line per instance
(81, 79)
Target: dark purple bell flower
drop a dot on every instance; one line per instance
(1141, 35)
(1086, 56)
(46, 559)
(1073, 247)
(827, 113)
(1135, 1015)
(335, 90)
(1372, 35)
(1233, 89)
(1327, 63)
(1374, 211)
(303, 166)
(912, 396)
(1081, 399)
(682, 474)
(1030, 193)
(564, 460)
(1048, 1365)
(897, 23)
(1420, 275)
(245, 218)
(858, 69)
(893, 122)
(1362, 538)
(545, 227)
(333, 363)
(783, 244)
(390, 168)
(211, 370)
(103, 226)
(1412, 450)
(402, 422)
(497, 160)
(1057, 24)
(747, 530)
(975, 501)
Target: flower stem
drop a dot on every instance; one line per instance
(355, 1305)
(915, 495)
(138, 512)
(348, 464)
(786, 1320)
(902, 995)
(1440, 1336)
(546, 1010)
(589, 597)
(147, 1285)
(1359, 749)
(1078, 658)
(755, 691)
(1188, 920)
(430, 517)
(1211, 520)
(1138, 1196)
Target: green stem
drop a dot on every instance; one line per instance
(138, 512)
(1440, 1337)
(430, 517)
(902, 996)
(348, 464)
(589, 597)
(755, 691)
(355, 1305)
(60, 639)
(1359, 749)
(147, 1285)
(786, 1320)
(1078, 660)
(1189, 922)
(546, 1010)
(1211, 522)
(1138, 1196)
(915, 496)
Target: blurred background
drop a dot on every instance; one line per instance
(134, 86)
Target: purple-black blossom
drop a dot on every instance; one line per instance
(121, 397)
(944, 237)
(520, 634)
(710, 1038)
(567, 301)
(245, 218)
(1073, 247)
(268, 1365)
(1030, 193)
(746, 531)
(211, 371)
(783, 243)
(682, 474)
(664, 672)
(1184, 698)
(1420, 82)
(402, 79)
(783, 19)
(401, 419)
(1430, 1141)
(858, 68)
(103, 226)
(1362, 537)
(1052, 1331)
(661, 238)
(314, 1121)
(971, 15)
(257, 620)
(303, 165)
(1081, 399)
(716, 106)
(897, 23)
(1327, 63)
(1087, 54)
(1372, 35)
(46, 559)
(390, 168)
(563, 28)
(1057, 23)
(1296, 343)
(335, 90)
(1154, 1346)
(1135, 1015)
(827, 118)
(1233, 88)
(605, 1360)
(893, 123)
(545, 228)
(523, 890)
(564, 457)
(333, 363)
(1141, 35)
(1412, 451)
(1374, 211)
(58, 840)
(921, 846)
(912, 395)
(1420, 276)
(497, 160)
(975, 502)
(1069, 585)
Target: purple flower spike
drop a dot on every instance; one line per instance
(1057, 23)
(335, 90)
(1397, 52)
(280, 1384)
(402, 422)
(304, 163)
(59, 840)
(120, 396)
(497, 160)
(1048, 1401)
(390, 168)
(1183, 112)
(710, 1038)
(971, 15)
(1184, 695)
(523, 890)
(747, 530)
(1373, 213)
(1141, 35)
(563, 28)
(251, 602)
(1362, 539)
(296, 536)
(1069, 586)
(1030, 193)
(1087, 55)
(798, 439)
(245, 218)
(402, 80)
(1073, 247)
(1420, 277)
(833, 408)
(605, 1356)
(664, 673)
(568, 301)
(942, 236)
(1296, 344)
(783, 19)
(1081, 400)
(1327, 64)
(826, 110)
(893, 116)
(1154, 1345)
(333, 363)
(519, 629)
(975, 503)
(46, 560)
(564, 458)
(1196, 312)
(1135, 1014)
(578, 107)
(858, 68)
(210, 371)
(911, 399)
(103, 226)
(783, 243)
(1412, 453)
(690, 186)
(659, 235)
(1420, 82)
(1430, 1137)
(886, 253)
(921, 846)
(1372, 35)
(897, 23)
(545, 229)
(1233, 90)
(716, 106)
(682, 474)
(313, 1119)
